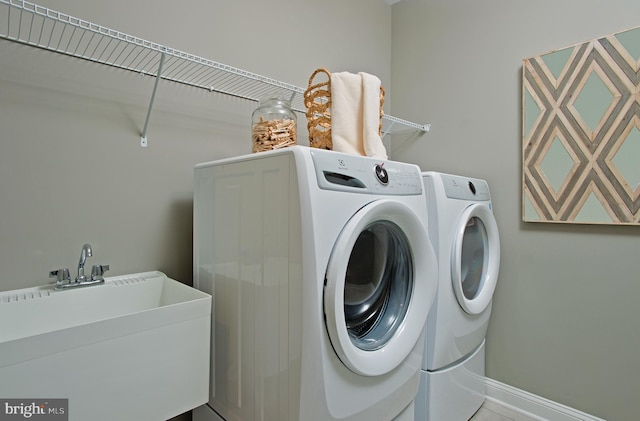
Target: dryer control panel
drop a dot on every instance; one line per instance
(360, 174)
(464, 188)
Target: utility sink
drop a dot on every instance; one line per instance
(134, 348)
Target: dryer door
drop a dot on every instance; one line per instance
(475, 258)
(380, 282)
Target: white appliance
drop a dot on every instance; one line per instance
(322, 275)
(465, 237)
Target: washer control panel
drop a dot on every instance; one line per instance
(338, 171)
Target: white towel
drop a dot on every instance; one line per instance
(355, 114)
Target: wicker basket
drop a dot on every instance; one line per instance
(317, 100)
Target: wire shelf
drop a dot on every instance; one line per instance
(36, 26)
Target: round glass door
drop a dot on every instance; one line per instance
(377, 292)
(475, 259)
(378, 285)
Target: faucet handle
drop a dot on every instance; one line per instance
(62, 276)
(97, 271)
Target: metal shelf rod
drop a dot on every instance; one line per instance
(143, 138)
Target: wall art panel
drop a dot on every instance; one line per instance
(581, 133)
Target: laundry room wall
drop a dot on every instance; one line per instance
(564, 323)
(565, 317)
(71, 167)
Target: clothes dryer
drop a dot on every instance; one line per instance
(466, 240)
(322, 275)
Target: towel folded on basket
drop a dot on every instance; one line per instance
(355, 114)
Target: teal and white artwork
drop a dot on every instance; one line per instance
(581, 133)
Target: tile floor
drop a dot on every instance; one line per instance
(491, 411)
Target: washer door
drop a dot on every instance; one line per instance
(379, 286)
(475, 258)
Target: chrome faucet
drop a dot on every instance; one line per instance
(63, 280)
(86, 252)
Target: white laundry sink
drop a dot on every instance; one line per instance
(134, 348)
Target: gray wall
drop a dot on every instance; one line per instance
(565, 316)
(71, 168)
(72, 171)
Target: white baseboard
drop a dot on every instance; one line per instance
(531, 405)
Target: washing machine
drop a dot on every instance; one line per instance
(467, 245)
(322, 275)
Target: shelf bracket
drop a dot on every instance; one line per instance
(386, 132)
(143, 138)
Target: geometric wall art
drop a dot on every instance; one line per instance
(581, 133)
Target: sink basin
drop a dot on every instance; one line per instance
(134, 348)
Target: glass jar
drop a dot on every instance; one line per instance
(273, 125)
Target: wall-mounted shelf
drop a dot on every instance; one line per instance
(36, 26)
